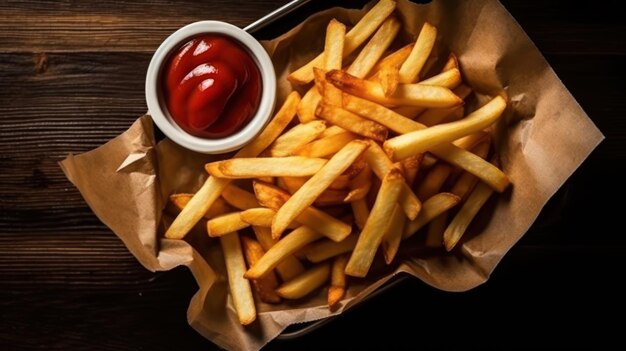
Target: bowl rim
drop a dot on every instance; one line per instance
(169, 127)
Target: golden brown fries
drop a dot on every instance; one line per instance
(264, 286)
(305, 283)
(247, 168)
(307, 194)
(316, 211)
(337, 288)
(371, 236)
(240, 290)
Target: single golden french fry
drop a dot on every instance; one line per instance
(353, 39)
(286, 246)
(333, 45)
(296, 137)
(225, 224)
(249, 168)
(319, 182)
(240, 290)
(411, 68)
(371, 236)
(253, 251)
(463, 218)
(374, 49)
(360, 211)
(337, 289)
(423, 140)
(219, 207)
(351, 122)
(239, 198)
(273, 197)
(470, 141)
(393, 234)
(405, 94)
(449, 79)
(290, 267)
(327, 145)
(212, 188)
(389, 77)
(325, 249)
(432, 208)
(305, 283)
(308, 104)
(436, 227)
(433, 181)
(259, 216)
(381, 165)
(292, 184)
(380, 114)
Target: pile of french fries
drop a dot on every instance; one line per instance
(377, 152)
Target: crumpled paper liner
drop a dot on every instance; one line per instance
(543, 137)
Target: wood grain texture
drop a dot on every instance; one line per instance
(71, 78)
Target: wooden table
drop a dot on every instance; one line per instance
(71, 78)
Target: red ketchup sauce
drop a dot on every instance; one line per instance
(212, 86)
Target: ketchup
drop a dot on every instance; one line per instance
(212, 86)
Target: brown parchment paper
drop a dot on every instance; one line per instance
(543, 138)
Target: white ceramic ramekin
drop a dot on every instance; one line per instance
(157, 107)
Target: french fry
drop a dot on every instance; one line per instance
(360, 211)
(333, 55)
(290, 267)
(371, 236)
(248, 168)
(351, 122)
(436, 227)
(433, 181)
(395, 59)
(296, 137)
(463, 218)
(225, 224)
(239, 198)
(286, 246)
(212, 188)
(324, 249)
(411, 68)
(432, 208)
(260, 216)
(292, 184)
(340, 183)
(327, 145)
(469, 141)
(353, 39)
(308, 104)
(305, 283)
(449, 79)
(337, 289)
(389, 77)
(393, 234)
(422, 140)
(434, 116)
(253, 251)
(307, 194)
(405, 94)
(381, 165)
(219, 207)
(273, 197)
(374, 49)
(240, 290)
(330, 131)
